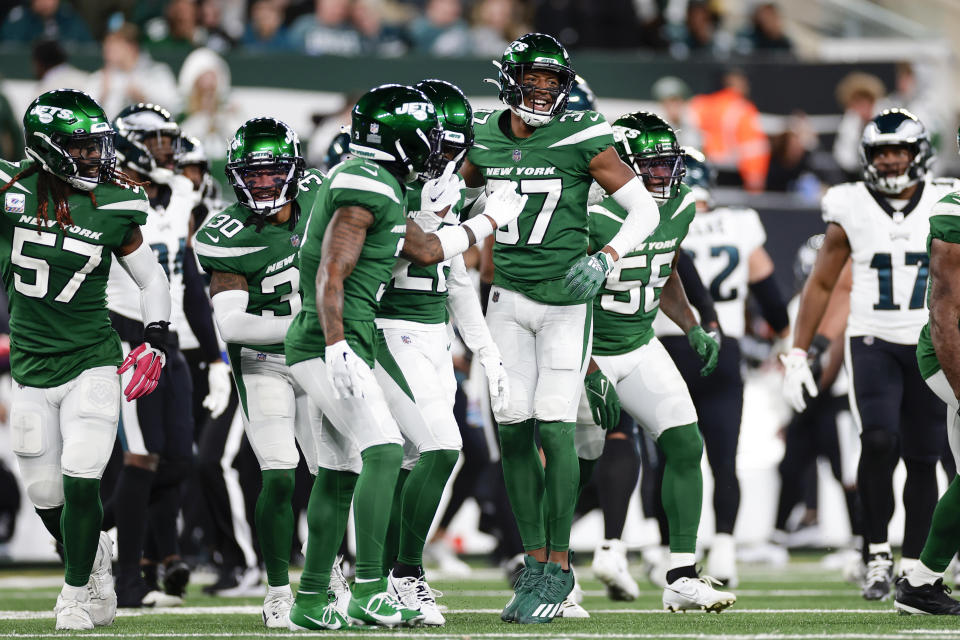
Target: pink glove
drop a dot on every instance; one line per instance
(147, 363)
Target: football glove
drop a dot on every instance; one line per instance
(496, 380)
(706, 346)
(596, 194)
(797, 377)
(587, 274)
(442, 192)
(345, 370)
(603, 399)
(218, 381)
(147, 361)
(504, 205)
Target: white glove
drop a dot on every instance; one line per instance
(504, 205)
(496, 379)
(218, 380)
(596, 194)
(797, 377)
(442, 192)
(344, 370)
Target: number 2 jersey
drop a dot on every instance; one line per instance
(533, 253)
(625, 308)
(56, 280)
(890, 260)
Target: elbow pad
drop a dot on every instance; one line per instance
(643, 216)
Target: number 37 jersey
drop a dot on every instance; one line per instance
(890, 260)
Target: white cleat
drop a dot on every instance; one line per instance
(656, 561)
(100, 588)
(339, 586)
(722, 561)
(696, 594)
(73, 614)
(276, 608)
(249, 585)
(610, 567)
(415, 593)
(570, 609)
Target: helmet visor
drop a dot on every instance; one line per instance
(92, 154)
(661, 174)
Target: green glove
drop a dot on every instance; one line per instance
(706, 347)
(587, 274)
(603, 399)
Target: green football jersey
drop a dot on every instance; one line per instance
(267, 257)
(419, 294)
(533, 253)
(945, 226)
(624, 309)
(359, 183)
(56, 280)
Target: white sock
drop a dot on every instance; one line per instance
(276, 592)
(907, 565)
(880, 547)
(921, 574)
(678, 560)
(74, 593)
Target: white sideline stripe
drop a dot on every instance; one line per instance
(384, 633)
(598, 593)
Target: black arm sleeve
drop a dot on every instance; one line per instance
(196, 306)
(772, 306)
(697, 294)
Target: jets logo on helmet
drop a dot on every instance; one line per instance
(531, 53)
(895, 128)
(264, 165)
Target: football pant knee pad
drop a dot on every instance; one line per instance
(43, 484)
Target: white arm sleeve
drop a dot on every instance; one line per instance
(643, 216)
(454, 239)
(464, 305)
(238, 326)
(152, 281)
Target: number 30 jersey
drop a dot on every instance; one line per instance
(720, 243)
(890, 260)
(56, 279)
(267, 256)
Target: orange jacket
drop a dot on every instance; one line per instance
(732, 135)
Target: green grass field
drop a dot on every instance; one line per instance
(801, 601)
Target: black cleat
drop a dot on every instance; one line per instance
(927, 599)
(176, 575)
(876, 584)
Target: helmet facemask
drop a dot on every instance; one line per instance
(151, 149)
(81, 160)
(662, 172)
(267, 186)
(515, 92)
(433, 161)
(886, 181)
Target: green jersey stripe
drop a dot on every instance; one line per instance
(211, 251)
(597, 130)
(345, 180)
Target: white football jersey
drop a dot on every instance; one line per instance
(165, 232)
(890, 261)
(721, 242)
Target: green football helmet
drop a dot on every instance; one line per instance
(649, 145)
(264, 165)
(455, 116)
(69, 135)
(397, 126)
(534, 52)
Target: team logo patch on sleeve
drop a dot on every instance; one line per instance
(14, 202)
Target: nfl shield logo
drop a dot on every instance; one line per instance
(295, 240)
(261, 356)
(496, 296)
(374, 128)
(516, 155)
(406, 339)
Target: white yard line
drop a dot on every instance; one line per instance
(906, 635)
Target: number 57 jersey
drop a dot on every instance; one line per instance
(890, 261)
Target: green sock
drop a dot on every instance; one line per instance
(524, 479)
(80, 522)
(327, 513)
(421, 499)
(391, 545)
(51, 520)
(586, 472)
(682, 490)
(562, 476)
(943, 540)
(274, 519)
(371, 506)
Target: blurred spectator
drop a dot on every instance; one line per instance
(732, 135)
(858, 93)
(211, 22)
(11, 136)
(208, 113)
(178, 28)
(701, 33)
(265, 31)
(48, 19)
(130, 75)
(791, 159)
(496, 23)
(441, 30)
(51, 69)
(915, 89)
(673, 94)
(377, 37)
(611, 24)
(327, 31)
(765, 32)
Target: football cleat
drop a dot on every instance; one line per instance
(339, 586)
(379, 607)
(315, 612)
(526, 584)
(696, 594)
(542, 605)
(927, 599)
(722, 561)
(176, 575)
(876, 584)
(73, 613)
(572, 606)
(610, 567)
(415, 593)
(100, 587)
(276, 608)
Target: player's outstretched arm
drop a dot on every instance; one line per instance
(230, 297)
(628, 191)
(945, 308)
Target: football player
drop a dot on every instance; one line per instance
(538, 310)
(250, 250)
(67, 213)
(922, 590)
(415, 366)
(626, 350)
(357, 229)
(881, 223)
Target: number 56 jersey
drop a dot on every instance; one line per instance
(890, 261)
